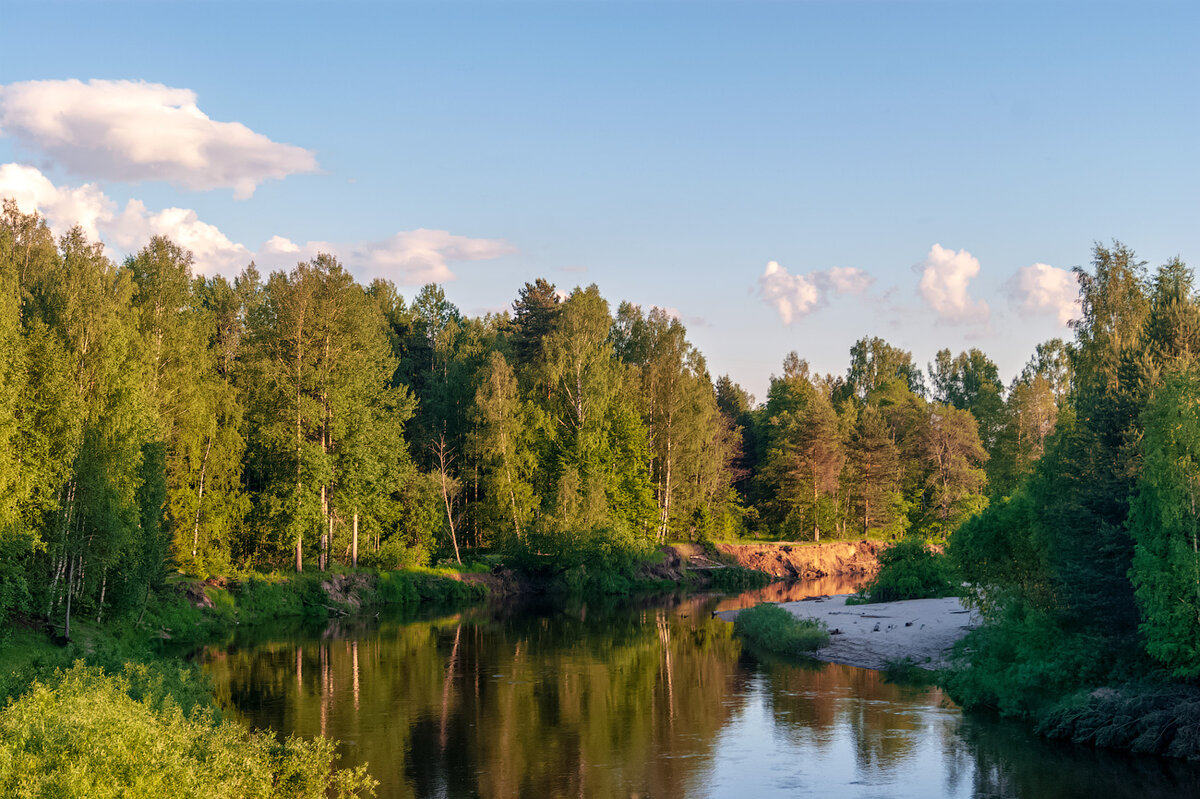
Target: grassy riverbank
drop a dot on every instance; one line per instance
(116, 711)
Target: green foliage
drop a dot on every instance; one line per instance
(772, 629)
(87, 733)
(1022, 662)
(910, 570)
(997, 551)
(428, 588)
(1153, 719)
(600, 559)
(1055, 566)
(1165, 524)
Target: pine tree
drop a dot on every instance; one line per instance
(874, 464)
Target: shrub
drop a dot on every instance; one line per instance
(395, 554)
(598, 560)
(86, 733)
(1157, 719)
(1022, 662)
(771, 628)
(909, 570)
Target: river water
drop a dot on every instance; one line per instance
(649, 698)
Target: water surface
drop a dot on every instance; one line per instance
(641, 699)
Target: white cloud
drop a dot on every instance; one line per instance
(213, 250)
(792, 295)
(1041, 288)
(847, 280)
(798, 295)
(278, 244)
(133, 131)
(945, 278)
(63, 207)
(408, 258)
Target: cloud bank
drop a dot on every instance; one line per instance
(408, 258)
(945, 279)
(1044, 289)
(134, 131)
(411, 257)
(794, 296)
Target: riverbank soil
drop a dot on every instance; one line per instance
(785, 561)
(872, 636)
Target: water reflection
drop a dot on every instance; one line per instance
(792, 591)
(657, 700)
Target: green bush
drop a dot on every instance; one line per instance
(395, 554)
(771, 628)
(1022, 662)
(909, 570)
(268, 596)
(87, 733)
(437, 589)
(599, 560)
(1146, 718)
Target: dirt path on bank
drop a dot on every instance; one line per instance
(869, 636)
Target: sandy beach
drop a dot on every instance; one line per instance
(869, 636)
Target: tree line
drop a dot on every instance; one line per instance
(153, 419)
(1088, 571)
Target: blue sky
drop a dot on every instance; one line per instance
(667, 152)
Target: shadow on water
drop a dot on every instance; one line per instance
(651, 697)
(1007, 762)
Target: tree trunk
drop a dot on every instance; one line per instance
(512, 496)
(324, 536)
(816, 510)
(299, 443)
(103, 588)
(443, 463)
(70, 578)
(354, 545)
(200, 499)
(667, 463)
(328, 543)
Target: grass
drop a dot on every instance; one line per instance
(771, 628)
(87, 732)
(130, 720)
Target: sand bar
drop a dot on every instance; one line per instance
(871, 635)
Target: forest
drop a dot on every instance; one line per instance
(155, 422)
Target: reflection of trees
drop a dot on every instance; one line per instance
(596, 702)
(606, 701)
(887, 722)
(1009, 761)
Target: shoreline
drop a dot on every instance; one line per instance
(872, 636)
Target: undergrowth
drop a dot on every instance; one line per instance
(771, 628)
(87, 732)
(909, 570)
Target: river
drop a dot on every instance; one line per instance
(641, 698)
